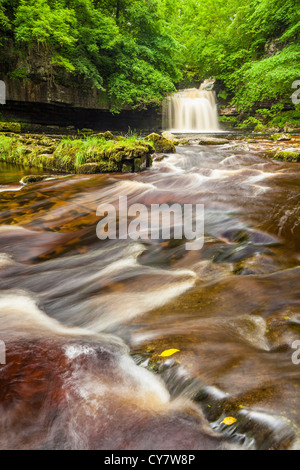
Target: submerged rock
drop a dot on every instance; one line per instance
(29, 179)
(212, 141)
(161, 144)
(158, 158)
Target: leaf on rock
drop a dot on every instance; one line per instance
(229, 420)
(169, 352)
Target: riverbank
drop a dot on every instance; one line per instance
(85, 154)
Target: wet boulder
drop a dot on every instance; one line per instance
(107, 135)
(288, 156)
(280, 137)
(98, 167)
(212, 141)
(29, 179)
(10, 126)
(161, 144)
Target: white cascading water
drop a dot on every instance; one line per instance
(192, 110)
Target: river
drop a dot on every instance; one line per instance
(85, 321)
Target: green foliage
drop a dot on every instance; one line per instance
(121, 47)
(268, 78)
(251, 45)
(286, 118)
(249, 123)
(138, 51)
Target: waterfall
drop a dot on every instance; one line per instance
(192, 110)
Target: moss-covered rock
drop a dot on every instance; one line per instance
(10, 126)
(161, 144)
(87, 131)
(107, 135)
(212, 141)
(72, 155)
(137, 164)
(168, 135)
(176, 141)
(280, 137)
(98, 167)
(128, 167)
(45, 161)
(288, 156)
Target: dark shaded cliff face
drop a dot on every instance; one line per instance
(40, 103)
(40, 90)
(97, 119)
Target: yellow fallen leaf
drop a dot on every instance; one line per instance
(229, 420)
(169, 352)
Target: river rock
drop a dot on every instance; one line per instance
(158, 157)
(288, 129)
(10, 126)
(212, 141)
(29, 179)
(86, 131)
(275, 130)
(170, 136)
(98, 167)
(176, 141)
(288, 156)
(161, 144)
(107, 135)
(280, 137)
(253, 237)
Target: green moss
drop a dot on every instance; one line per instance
(88, 155)
(212, 141)
(86, 131)
(288, 156)
(161, 144)
(10, 126)
(105, 135)
(99, 167)
(280, 137)
(137, 164)
(127, 167)
(43, 161)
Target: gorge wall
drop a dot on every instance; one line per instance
(38, 102)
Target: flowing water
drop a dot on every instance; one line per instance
(192, 110)
(84, 321)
